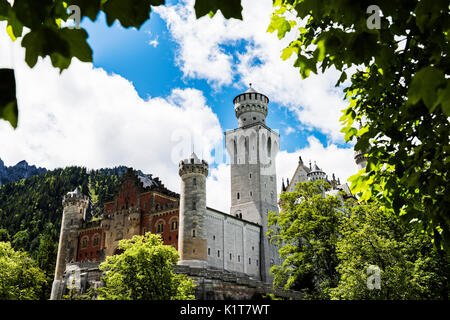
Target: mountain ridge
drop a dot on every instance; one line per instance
(19, 171)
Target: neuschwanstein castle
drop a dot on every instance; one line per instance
(226, 253)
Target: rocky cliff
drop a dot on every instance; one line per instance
(19, 171)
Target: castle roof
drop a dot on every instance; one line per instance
(193, 159)
(250, 90)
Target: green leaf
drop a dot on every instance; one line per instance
(8, 101)
(130, 13)
(14, 27)
(444, 99)
(60, 44)
(32, 13)
(77, 39)
(342, 78)
(4, 9)
(427, 12)
(88, 8)
(280, 24)
(42, 42)
(424, 86)
(229, 8)
(306, 65)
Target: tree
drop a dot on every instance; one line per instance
(4, 235)
(399, 95)
(20, 277)
(410, 266)
(144, 271)
(46, 261)
(306, 231)
(46, 36)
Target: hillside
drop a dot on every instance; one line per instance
(19, 171)
(31, 208)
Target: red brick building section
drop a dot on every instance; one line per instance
(158, 206)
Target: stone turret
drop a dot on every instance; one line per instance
(192, 228)
(75, 206)
(316, 173)
(250, 107)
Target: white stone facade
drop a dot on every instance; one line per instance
(232, 243)
(237, 241)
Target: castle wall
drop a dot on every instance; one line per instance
(232, 243)
(169, 220)
(218, 285)
(90, 244)
(210, 284)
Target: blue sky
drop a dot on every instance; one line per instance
(151, 93)
(154, 72)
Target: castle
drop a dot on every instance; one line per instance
(227, 254)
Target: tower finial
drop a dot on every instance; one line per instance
(250, 84)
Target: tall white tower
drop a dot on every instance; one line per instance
(192, 229)
(253, 148)
(75, 206)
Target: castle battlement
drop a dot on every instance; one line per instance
(193, 165)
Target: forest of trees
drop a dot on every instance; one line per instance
(328, 245)
(31, 210)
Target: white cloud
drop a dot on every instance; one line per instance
(87, 117)
(218, 186)
(154, 43)
(289, 130)
(315, 100)
(331, 159)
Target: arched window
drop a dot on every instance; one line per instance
(193, 233)
(174, 225)
(160, 227)
(246, 141)
(84, 242)
(269, 147)
(234, 151)
(238, 196)
(194, 181)
(95, 240)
